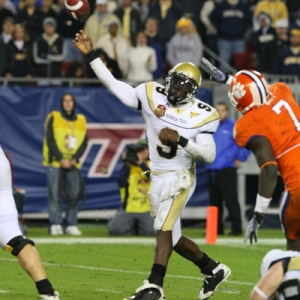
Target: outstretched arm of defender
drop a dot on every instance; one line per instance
(216, 74)
(120, 89)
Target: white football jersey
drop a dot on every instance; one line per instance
(188, 120)
(290, 286)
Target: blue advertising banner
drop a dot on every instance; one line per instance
(111, 126)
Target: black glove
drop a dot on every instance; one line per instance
(216, 75)
(251, 231)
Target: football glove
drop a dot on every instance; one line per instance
(216, 75)
(251, 231)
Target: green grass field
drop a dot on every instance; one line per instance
(96, 266)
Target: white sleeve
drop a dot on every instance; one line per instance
(120, 89)
(204, 149)
(230, 77)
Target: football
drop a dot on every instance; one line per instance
(78, 9)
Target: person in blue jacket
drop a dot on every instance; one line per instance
(222, 173)
(232, 19)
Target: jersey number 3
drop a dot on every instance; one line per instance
(277, 108)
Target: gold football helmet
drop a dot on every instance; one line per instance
(182, 83)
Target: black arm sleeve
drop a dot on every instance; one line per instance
(123, 176)
(139, 105)
(285, 264)
(51, 142)
(145, 168)
(81, 149)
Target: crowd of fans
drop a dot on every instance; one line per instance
(139, 40)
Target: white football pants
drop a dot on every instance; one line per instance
(169, 194)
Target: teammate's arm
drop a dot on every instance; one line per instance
(269, 283)
(120, 89)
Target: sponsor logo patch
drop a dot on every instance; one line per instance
(160, 110)
(193, 114)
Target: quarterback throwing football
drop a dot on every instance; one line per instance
(179, 132)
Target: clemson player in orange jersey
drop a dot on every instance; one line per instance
(270, 128)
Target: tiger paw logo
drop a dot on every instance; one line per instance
(238, 91)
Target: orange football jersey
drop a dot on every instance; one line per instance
(279, 121)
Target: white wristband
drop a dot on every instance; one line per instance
(260, 292)
(262, 204)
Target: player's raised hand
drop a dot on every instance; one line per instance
(83, 42)
(168, 136)
(251, 231)
(216, 74)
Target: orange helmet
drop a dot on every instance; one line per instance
(248, 90)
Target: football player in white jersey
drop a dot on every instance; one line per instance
(280, 276)
(12, 240)
(179, 131)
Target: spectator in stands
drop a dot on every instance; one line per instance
(252, 4)
(265, 42)
(8, 4)
(185, 45)
(115, 46)
(282, 29)
(210, 30)
(296, 21)
(20, 4)
(130, 19)
(293, 7)
(110, 64)
(141, 61)
(143, 7)
(167, 13)
(67, 27)
(49, 51)
(133, 217)
(32, 18)
(97, 24)
(276, 9)
(288, 60)
(222, 173)
(157, 42)
(112, 5)
(231, 27)
(19, 60)
(4, 13)
(2, 57)
(191, 9)
(47, 10)
(75, 70)
(65, 141)
(7, 29)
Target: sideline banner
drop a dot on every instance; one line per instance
(111, 126)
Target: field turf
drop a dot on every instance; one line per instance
(95, 266)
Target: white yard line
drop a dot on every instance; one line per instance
(148, 241)
(109, 291)
(234, 242)
(124, 271)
